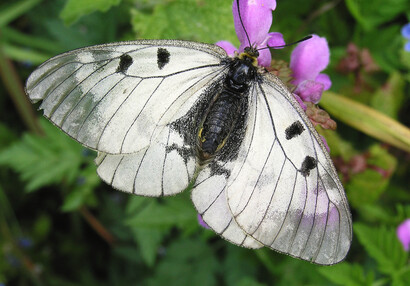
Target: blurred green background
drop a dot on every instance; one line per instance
(60, 225)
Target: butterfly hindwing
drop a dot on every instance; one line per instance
(164, 168)
(112, 97)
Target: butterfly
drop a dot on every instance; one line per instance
(171, 115)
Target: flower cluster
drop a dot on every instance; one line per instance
(307, 61)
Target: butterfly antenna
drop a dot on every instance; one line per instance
(287, 45)
(243, 26)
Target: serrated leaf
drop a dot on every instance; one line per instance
(82, 193)
(383, 245)
(171, 211)
(347, 274)
(75, 9)
(45, 160)
(149, 241)
(186, 262)
(203, 21)
(151, 220)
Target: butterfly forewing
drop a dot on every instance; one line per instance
(112, 97)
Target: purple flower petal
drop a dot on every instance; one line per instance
(227, 46)
(405, 31)
(325, 80)
(256, 17)
(309, 58)
(202, 223)
(309, 90)
(276, 40)
(403, 233)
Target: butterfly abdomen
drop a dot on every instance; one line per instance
(225, 110)
(218, 123)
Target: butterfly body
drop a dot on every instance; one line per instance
(164, 115)
(226, 107)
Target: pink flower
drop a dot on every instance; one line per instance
(403, 233)
(308, 59)
(257, 18)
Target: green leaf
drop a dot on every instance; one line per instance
(367, 186)
(130, 253)
(45, 160)
(151, 220)
(186, 262)
(203, 21)
(82, 193)
(374, 213)
(10, 12)
(168, 212)
(389, 98)
(149, 241)
(370, 14)
(347, 274)
(382, 244)
(75, 9)
(367, 120)
(386, 56)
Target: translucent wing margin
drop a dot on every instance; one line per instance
(113, 97)
(283, 190)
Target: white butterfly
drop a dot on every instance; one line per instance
(170, 115)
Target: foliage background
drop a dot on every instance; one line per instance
(59, 225)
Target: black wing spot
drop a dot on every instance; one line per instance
(308, 164)
(125, 62)
(162, 57)
(295, 129)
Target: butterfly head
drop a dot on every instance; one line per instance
(250, 54)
